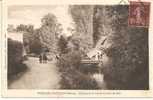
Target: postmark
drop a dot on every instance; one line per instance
(139, 13)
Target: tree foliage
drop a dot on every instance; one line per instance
(10, 28)
(72, 77)
(43, 38)
(101, 24)
(15, 57)
(82, 16)
(25, 28)
(129, 52)
(32, 42)
(49, 32)
(62, 45)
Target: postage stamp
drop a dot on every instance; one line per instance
(139, 14)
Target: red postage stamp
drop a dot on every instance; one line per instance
(139, 13)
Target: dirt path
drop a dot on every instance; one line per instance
(39, 76)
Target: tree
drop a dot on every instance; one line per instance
(35, 45)
(128, 53)
(101, 24)
(32, 42)
(49, 20)
(82, 16)
(49, 32)
(25, 28)
(15, 58)
(21, 27)
(10, 28)
(62, 45)
(30, 28)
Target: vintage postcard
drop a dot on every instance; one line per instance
(76, 48)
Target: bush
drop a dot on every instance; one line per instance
(72, 78)
(69, 60)
(89, 68)
(15, 58)
(129, 68)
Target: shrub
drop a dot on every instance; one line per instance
(15, 65)
(88, 68)
(129, 52)
(129, 68)
(72, 78)
(69, 60)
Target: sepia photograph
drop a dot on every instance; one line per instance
(78, 47)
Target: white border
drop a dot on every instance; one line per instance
(69, 93)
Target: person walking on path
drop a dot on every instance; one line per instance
(40, 58)
(45, 58)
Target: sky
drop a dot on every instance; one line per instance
(31, 11)
(32, 14)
